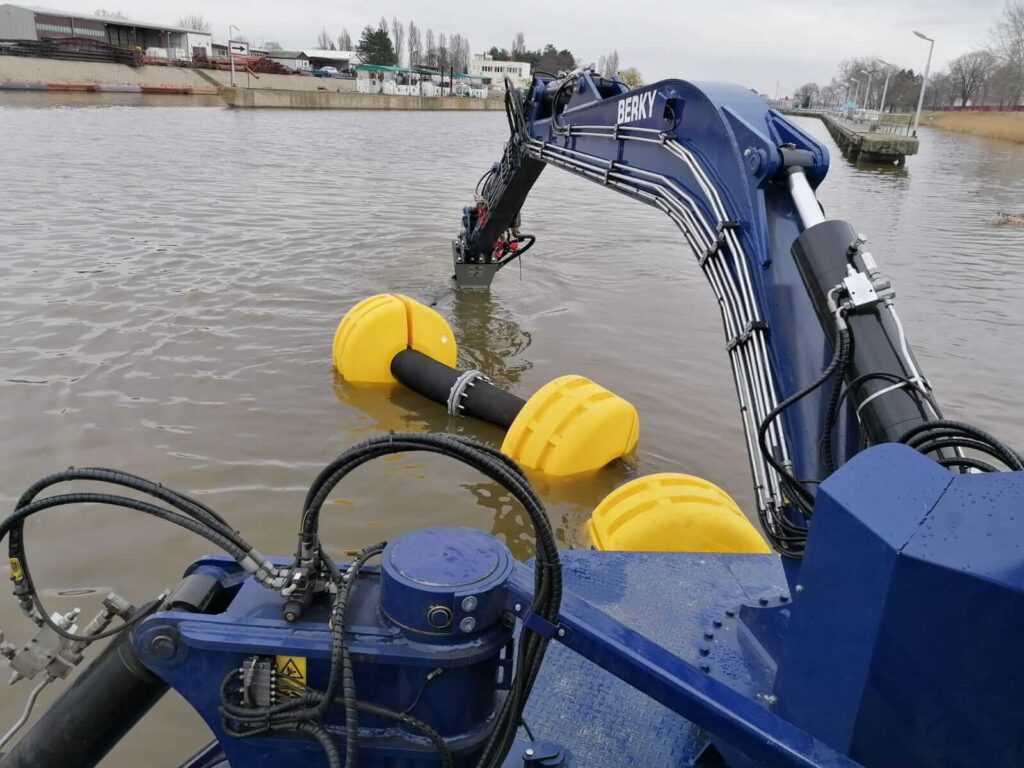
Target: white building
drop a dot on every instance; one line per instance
(23, 22)
(295, 60)
(340, 60)
(493, 73)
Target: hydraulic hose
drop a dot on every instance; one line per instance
(465, 393)
(94, 714)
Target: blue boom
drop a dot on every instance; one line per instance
(737, 179)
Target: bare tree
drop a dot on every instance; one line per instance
(194, 21)
(443, 54)
(807, 95)
(324, 41)
(415, 50)
(602, 62)
(398, 37)
(612, 64)
(105, 14)
(344, 40)
(272, 45)
(518, 46)
(1008, 43)
(430, 52)
(632, 77)
(1004, 87)
(382, 25)
(459, 52)
(940, 91)
(969, 73)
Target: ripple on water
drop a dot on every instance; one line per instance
(170, 282)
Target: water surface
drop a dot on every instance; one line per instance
(170, 282)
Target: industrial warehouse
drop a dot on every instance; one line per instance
(26, 23)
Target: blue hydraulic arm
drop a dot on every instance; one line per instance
(794, 290)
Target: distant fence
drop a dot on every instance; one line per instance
(872, 119)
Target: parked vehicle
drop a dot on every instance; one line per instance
(325, 72)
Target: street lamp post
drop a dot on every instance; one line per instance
(867, 91)
(924, 81)
(885, 88)
(419, 81)
(856, 90)
(231, 53)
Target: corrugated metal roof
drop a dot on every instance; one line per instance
(104, 19)
(285, 54)
(336, 55)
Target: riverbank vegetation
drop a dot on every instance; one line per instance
(992, 125)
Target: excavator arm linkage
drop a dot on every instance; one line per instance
(794, 289)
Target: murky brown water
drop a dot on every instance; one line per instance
(170, 281)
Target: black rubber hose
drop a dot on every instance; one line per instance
(415, 724)
(435, 381)
(13, 526)
(93, 715)
(832, 409)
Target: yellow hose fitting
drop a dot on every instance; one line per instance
(672, 512)
(572, 425)
(378, 328)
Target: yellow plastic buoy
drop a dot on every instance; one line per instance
(672, 512)
(378, 328)
(572, 425)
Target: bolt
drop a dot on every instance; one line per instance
(799, 588)
(468, 624)
(705, 651)
(469, 603)
(730, 614)
(709, 635)
(163, 647)
(561, 631)
(705, 667)
(763, 601)
(783, 598)
(440, 617)
(770, 699)
(518, 607)
(717, 624)
(529, 752)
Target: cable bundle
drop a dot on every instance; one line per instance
(950, 438)
(184, 511)
(547, 579)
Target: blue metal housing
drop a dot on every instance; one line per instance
(445, 583)
(902, 647)
(455, 688)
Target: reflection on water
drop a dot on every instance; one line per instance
(171, 279)
(37, 99)
(490, 339)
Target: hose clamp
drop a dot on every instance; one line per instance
(458, 390)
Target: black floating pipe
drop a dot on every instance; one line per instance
(465, 393)
(91, 717)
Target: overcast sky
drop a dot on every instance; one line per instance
(757, 43)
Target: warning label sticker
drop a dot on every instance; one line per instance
(291, 675)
